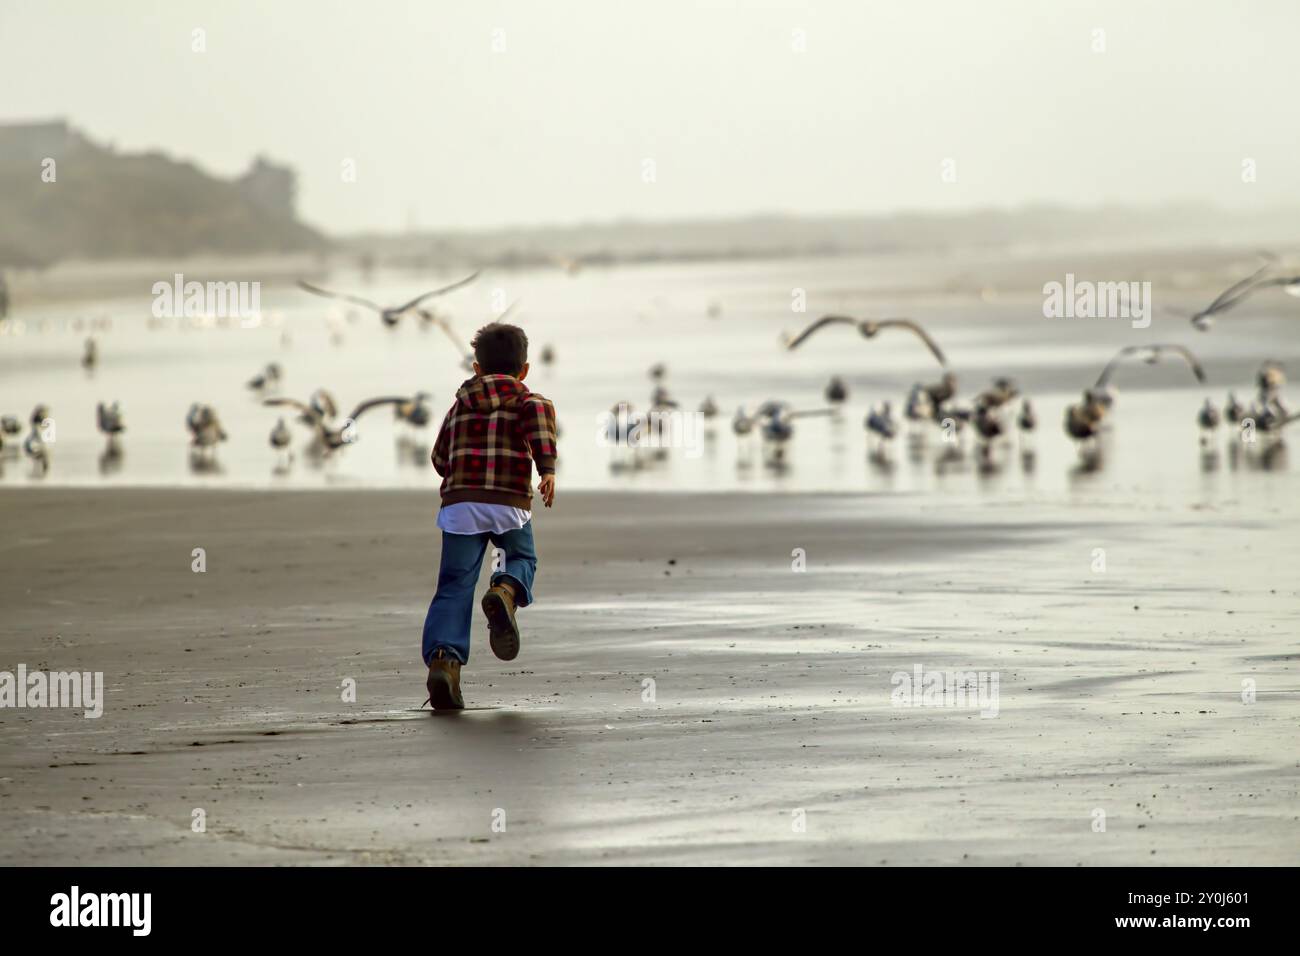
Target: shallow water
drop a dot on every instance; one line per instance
(607, 328)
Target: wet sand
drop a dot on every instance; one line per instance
(1120, 690)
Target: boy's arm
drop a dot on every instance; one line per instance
(442, 447)
(539, 432)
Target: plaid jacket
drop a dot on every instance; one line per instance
(490, 439)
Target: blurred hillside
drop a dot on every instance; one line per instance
(108, 218)
(102, 204)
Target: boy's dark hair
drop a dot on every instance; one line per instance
(500, 349)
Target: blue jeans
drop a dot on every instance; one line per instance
(452, 610)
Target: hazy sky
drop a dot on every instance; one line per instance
(557, 127)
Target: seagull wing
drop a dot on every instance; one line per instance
(1230, 296)
(1187, 355)
(445, 326)
(924, 336)
(1114, 363)
(356, 299)
(310, 417)
(375, 403)
(443, 291)
(1282, 281)
(824, 321)
(1155, 350)
(292, 403)
(1246, 293)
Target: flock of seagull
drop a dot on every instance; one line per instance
(986, 415)
(319, 414)
(926, 405)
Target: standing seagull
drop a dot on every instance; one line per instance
(90, 357)
(205, 429)
(267, 379)
(390, 316)
(10, 425)
(36, 450)
(940, 394)
(1002, 391)
(776, 424)
(1083, 420)
(280, 439)
(836, 391)
(742, 426)
(623, 433)
(34, 445)
(1027, 421)
(881, 424)
(1208, 419)
(741, 423)
(1270, 379)
(918, 408)
(109, 420)
(1233, 410)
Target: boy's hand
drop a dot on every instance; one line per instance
(546, 487)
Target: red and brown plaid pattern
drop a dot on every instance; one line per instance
(490, 439)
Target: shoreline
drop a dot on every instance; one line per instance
(769, 701)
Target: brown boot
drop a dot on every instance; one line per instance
(444, 682)
(499, 606)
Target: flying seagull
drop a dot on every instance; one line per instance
(443, 324)
(1241, 290)
(1152, 355)
(335, 438)
(390, 316)
(869, 328)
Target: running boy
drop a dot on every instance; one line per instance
(485, 453)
